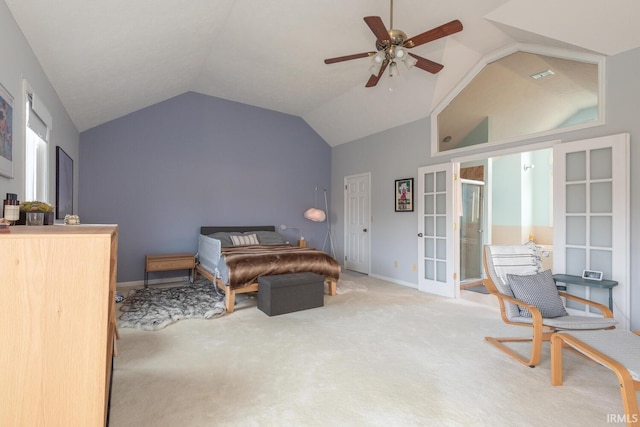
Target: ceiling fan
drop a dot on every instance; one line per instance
(392, 46)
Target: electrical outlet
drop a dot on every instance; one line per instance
(395, 264)
(414, 268)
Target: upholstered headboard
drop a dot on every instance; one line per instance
(206, 230)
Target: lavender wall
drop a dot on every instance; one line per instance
(162, 172)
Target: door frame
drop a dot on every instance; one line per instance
(488, 194)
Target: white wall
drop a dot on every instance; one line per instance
(397, 153)
(18, 62)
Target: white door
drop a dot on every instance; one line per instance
(437, 230)
(591, 217)
(358, 227)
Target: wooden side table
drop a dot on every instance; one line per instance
(167, 262)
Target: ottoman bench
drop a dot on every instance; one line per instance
(618, 350)
(285, 293)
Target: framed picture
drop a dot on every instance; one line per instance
(6, 133)
(592, 275)
(64, 184)
(404, 195)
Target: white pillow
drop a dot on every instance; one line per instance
(245, 240)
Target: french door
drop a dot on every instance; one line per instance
(437, 230)
(591, 217)
(591, 196)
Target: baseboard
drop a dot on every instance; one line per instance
(140, 283)
(396, 281)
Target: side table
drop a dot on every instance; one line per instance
(166, 262)
(577, 280)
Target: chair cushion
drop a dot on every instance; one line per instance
(511, 259)
(572, 323)
(538, 290)
(622, 346)
(575, 323)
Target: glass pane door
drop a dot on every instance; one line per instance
(435, 230)
(592, 218)
(471, 223)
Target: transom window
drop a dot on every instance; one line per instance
(519, 93)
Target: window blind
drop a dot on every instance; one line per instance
(39, 118)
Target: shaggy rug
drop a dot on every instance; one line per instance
(151, 309)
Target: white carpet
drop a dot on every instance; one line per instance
(390, 356)
(348, 286)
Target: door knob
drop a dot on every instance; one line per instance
(419, 234)
(364, 229)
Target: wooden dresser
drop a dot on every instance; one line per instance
(57, 324)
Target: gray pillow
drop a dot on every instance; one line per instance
(538, 290)
(269, 238)
(224, 237)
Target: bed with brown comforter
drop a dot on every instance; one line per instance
(236, 269)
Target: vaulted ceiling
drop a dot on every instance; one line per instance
(106, 59)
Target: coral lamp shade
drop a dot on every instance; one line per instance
(315, 215)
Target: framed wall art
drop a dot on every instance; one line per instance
(592, 275)
(404, 195)
(6, 133)
(64, 184)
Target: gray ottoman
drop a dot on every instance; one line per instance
(285, 293)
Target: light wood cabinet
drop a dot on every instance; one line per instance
(57, 324)
(168, 262)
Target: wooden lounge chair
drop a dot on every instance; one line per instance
(501, 261)
(617, 350)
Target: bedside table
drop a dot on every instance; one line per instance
(167, 262)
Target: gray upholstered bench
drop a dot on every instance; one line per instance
(285, 293)
(618, 350)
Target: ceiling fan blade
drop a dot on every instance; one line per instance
(377, 27)
(348, 57)
(373, 80)
(426, 64)
(434, 34)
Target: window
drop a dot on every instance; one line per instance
(519, 93)
(37, 133)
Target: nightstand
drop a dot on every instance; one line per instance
(167, 262)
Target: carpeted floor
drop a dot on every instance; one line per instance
(387, 356)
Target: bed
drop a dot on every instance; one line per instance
(234, 257)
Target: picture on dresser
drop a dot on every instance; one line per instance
(6, 133)
(64, 184)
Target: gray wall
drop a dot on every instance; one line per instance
(394, 154)
(18, 62)
(397, 153)
(162, 172)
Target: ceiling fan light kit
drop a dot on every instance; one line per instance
(393, 46)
